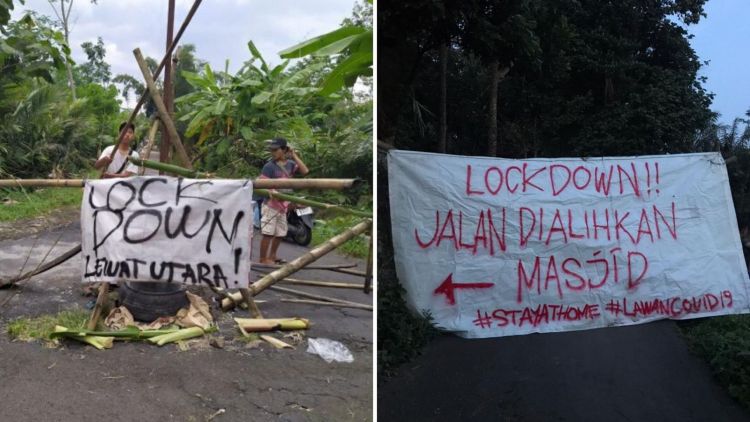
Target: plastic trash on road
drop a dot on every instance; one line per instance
(329, 350)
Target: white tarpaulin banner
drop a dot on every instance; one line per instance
(167, 229)
(493, 247)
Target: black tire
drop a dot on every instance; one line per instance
(149, 301)
(303, 237)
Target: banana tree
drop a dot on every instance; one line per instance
(233, 114)
(352, 42)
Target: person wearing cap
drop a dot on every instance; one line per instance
(284, 163)
(119, 166)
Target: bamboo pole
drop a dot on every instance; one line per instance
(310, 203)
(97, 312)
(167, 56)
(171, 168)
(251, 306)
(350, 272)
(311, 295)
(259, 183)
(174, 137)
(311, 256)
(265, 183)
(296, 265)
(257, 189)
(55, 262)
(150, 145)
(320, 283)
(42, 183)
(322, 303)
(255, 266)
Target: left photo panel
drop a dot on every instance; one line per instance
(186, 210)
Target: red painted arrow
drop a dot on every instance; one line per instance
(447, 288)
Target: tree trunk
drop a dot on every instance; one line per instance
(166, 136)
(492, 109)
(442, 135)
(498, 74)
(71, 82)
(64, 17)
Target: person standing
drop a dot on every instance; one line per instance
(284, 163)
(119, 166)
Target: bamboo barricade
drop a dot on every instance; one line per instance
(174, 137)
(167, 57)
(265, 183)
(104, 287)
(260, 190)
(150, 145)
(297, 264)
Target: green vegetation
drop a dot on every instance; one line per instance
(401, 333)
(724, 342)
(533, 78)
(57, 115)
(41, 327)
(326, 229)
(21, 204)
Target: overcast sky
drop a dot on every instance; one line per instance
(220, 29)
(722, 38)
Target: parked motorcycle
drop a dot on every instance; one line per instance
(300, 224)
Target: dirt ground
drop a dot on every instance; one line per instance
(138, 381)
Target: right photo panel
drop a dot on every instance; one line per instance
(563, 210)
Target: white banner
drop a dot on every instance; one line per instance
(167, 229)
(493, 247)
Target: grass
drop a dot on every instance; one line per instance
(326, 229)
(28, 204)
(40, 327)
(724, 342)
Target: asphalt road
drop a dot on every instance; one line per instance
(137, 381)
(634, 373)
